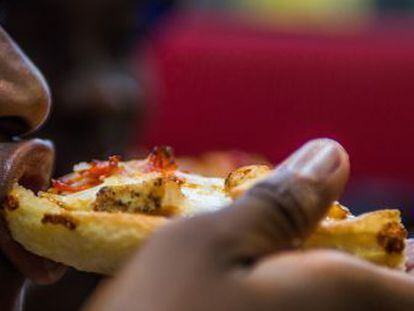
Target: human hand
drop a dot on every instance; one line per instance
(243, 258)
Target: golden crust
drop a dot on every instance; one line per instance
(96, 242)
(378, 237)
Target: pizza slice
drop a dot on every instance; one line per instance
(95, 217)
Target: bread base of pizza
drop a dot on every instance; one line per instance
(96, 217)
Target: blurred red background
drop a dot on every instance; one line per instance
(224, 84)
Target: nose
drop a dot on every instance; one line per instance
(24, 93)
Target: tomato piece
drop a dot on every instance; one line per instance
(100, 169)
(88, 178)
(61, 186)
(161, 159)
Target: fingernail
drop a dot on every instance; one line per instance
(318, 159)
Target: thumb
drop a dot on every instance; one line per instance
(281, 211)
(274, 215)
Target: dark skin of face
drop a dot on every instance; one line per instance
(84, 49)
(24, 105)
(24, 94)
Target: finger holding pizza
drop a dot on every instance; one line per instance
(244, 258)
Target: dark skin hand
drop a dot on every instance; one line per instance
(244, 258)
(24, 105)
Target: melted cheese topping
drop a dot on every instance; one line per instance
(199, 194)
(202, 194)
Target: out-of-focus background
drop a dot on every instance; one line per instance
(265, 76)
(246, 80)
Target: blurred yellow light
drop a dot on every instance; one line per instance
(318, 7)
(309, 12)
